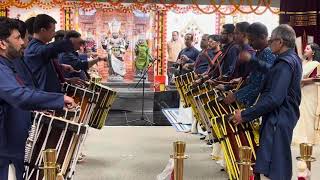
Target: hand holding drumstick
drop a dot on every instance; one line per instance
(69, 102)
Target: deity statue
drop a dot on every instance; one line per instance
(116, 47)
(142, 59)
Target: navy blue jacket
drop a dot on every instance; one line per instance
(25, 73)
(230, 59)
(39, 58)
(15, 101)
(203, 59)
(73, 59)
(279, 107)
(192, 53)
(248, 94)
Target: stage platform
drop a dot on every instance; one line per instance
(127, 106)
(120, 84)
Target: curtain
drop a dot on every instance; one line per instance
(303, 16)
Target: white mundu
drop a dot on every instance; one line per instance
(185, 114)
(262, 177)
(12, 172)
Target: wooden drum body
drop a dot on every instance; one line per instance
(231, 137)
(52, 132)
(105, 98)
(85, 98)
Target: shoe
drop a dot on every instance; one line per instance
(203, 138)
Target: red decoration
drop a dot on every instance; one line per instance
(145, 6)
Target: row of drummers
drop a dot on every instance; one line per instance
(214, 117)
(65, 131)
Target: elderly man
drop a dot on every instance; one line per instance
(188, 55)
(279, 107)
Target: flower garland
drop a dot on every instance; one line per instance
(172, 5)
(84, 4)
(269, 7)
(59, 1)
(223, 13)
(251, 5)
(204, 11)
(238, 6)
(5, 4)
(182, 10)
(145, 6)
(24, 5)
(46, 5)
(115, 2)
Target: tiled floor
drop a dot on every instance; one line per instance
(140, 153)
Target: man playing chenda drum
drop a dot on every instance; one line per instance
(278, 105)
(16, 101)
(258, 37)
(188, 55)
(41, 56)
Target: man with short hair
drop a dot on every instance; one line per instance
(258, 37)
(242, 69)
(215, 45)
(59, 35)
(73, 59)
(40, 56)
(202, 62)
(230, 49)
(18, 63)
(228, 58)
(278, 105)
(188, 55)
(29, 25)
(16, 101)
(174, 46)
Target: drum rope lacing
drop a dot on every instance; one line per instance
(36, 133)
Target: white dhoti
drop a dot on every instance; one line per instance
(217, 154)
(262, 177)
(12, 172)
(185, 115)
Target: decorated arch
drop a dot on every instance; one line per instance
(152, 20)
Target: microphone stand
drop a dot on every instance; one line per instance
(143, 116)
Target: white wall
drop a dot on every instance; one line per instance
(206, 22)
(35, 10)
(268, 18)
(178, 22)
